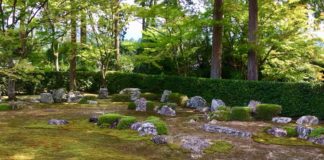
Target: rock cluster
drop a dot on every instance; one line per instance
(144, 128)
(226, 130)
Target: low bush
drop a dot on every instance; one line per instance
(178, 98)
(317, 132)
(120, 98)
(267, 111)
(5, 107)
(85, 99)
(109, 118)
(291, 131)
(151, 96)
(150, 106)
(131, 106)
(125, 122)
(160, 125)
(241, 114)
(221, 114)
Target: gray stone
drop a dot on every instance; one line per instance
(103, 93)
(74, 97)
(58, 122)
(277, 132)
(253, 104)
(317, 140)
(196, 102)
(46, 98)
(195, 144)
(216, 103)
(144, 128)
(303, 131)
(140, 104)
(167, 111)
(134, 93)
(59, 95)
(226, 130)
(159, 139)
(165, 96)
(283, 120)
(92, 102)
(307, 120)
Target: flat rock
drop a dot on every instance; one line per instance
(216, 103)
(226, 130)
(283, 120)
(277, 132)
(58, 122)
(307, 120)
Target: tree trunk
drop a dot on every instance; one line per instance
(11, 83)
(253, 28)
(216, 61)
(117, 40)
(83, 28)
(72, 83)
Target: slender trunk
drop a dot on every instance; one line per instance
(116, 34)
(253, 28)
(72, 83)
(216, 61)
(83, 28)
(11, 83)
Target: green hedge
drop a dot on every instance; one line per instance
(267, 111)
(296, 99)
(241, 114)
(126, 122)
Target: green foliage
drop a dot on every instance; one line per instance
(131, 106)
(120, 98)
(109, 119)
(160, 125)
(5, 107)
(150, 106)
(291, 131)
(221, 114)
(267, 111)
(219, 147)
(85, 99)
(150, 96)
(178, 98)
(241, 114)
(317, 132)
(125, 122)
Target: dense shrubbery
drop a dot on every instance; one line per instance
(267, 111)
(241, 114)
(131, 106)
(160, 125)
(178, 98)
(5, 107)
(120, 98)
(151, 96)
(317, 132)
(109, 118)
(221, 114)
(291, 131)
(297, 99)
(125, 122)
(150, 106)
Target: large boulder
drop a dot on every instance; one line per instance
(134, 93)
(59, 95)
(307, 120)
(277, 132)
(283, 120)
(57, 122)
(216, 103)
(74, 97)
(103, 93)
(253, 104)
(167, 111)
(46, 98)
(144, 128)
(226, 130)
(303, 131)
(165, 96)
(140, 104)
(196, 102)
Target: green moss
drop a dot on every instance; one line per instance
(241, 114)
(150, 106)
(85, 99)
(5, 107)
(267, 111)
(291, 131)
(131, 106)
(160, 125)
(125, 122)
(120, 98)
(109, 118)
(178, 98)
(151, 96)
(219, 147)
(317, 132)
(221, 114)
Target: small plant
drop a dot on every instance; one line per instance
(120, 98)
(178, 98)
(85, 99)
(291, 131)
(150, 106)
(221, 114)
(109, 118)
(5, 107)
(160, 125)
(131, 106)
(125, 122)
(241, 114)
(267, 111)
(317, 132)
(151, 96)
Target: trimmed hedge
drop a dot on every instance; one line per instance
(241, 114)
(109, 118)
(296, 99)
(126, 122)
(151, 96)
(221, 114)
(267, 111)
(160, 125)
(121, 98)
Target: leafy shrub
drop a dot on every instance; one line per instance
(5, 107)
(109, 118)
(85, 99)
(151, 96)
(125, 122)
(131, 106)
(160, 125)
(178, 98)
(221, 114)
(241, 114)
(267, 111)
(317, 132)
(291, 131)
(120, 98)
(150, 106)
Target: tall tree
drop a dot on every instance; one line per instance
(116, 18)
(252, 38)
(73, 56)
(216, 61)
